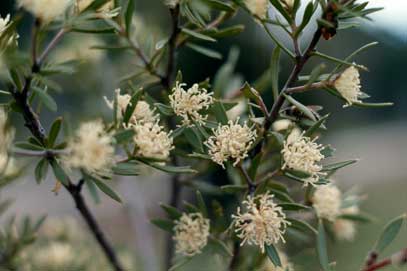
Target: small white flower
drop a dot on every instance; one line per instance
(188, 103)
(263, 222)
(258, 8)
(91, 149)
(171, 3)
(55, 256)
(152, 141)
(348, 85)
(303, 154)
(281, 125)
(231, 141)
(46, 10)
(327, 202)
(344, 229)
(6, 139)
(191, 234)
(142, 112)
(4, 23)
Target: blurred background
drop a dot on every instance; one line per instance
(378, 137)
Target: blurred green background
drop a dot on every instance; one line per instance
(376, 136)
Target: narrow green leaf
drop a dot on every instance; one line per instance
(229, 31)
(59, 172)
(275, 70)
(201, 204)
(316, 126)
(304, 109)
(389, 233)
(194, 138)
(54, 131)
(220, 246)
(204, 51)
(132, 106)
(362, 218)
(92, 189)
(124, 136)
(46, 99)
(127, 169)
(309, 11)
(321, 247)
(129, 14)
(41, 170)
(234, 188)
(172, 212)
(106, 188)
(272, 253)
(293, 206)
(164, 224)
(197, 35)
(338, 165)
(301, 226)
(166, 110)
(167, 168)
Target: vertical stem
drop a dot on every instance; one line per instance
(75, 191)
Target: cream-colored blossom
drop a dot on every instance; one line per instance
(231, 141)
(55, 256)
(327, 202)
(286, 265)
(46, 10)
(4, 22)
(344, 229)
(171, 3)
(91, 149)
(142, 113)
(188, 103)
(262, 223)
(6, 139)
(281, 125)
(191, 234)
(348, 85)
(303, 154)
(66, 228)
(152, 141)
(238, 110)
(258, 8)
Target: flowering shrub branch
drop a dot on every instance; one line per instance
(262, 150)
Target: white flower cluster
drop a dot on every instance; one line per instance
(302, 154)
(188, 103)
(4, 23)
(91, 149)
(45, 10)
(348, 85)
(231, 141)
(6, 139)
(263, 222)
(258, 8)
(191, 234)
(152, 141)
(327, 201)
(142, 113)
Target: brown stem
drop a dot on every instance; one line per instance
(75, 191)
(399, 258)
(250, 183)
(166, 82)
(235, 259)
